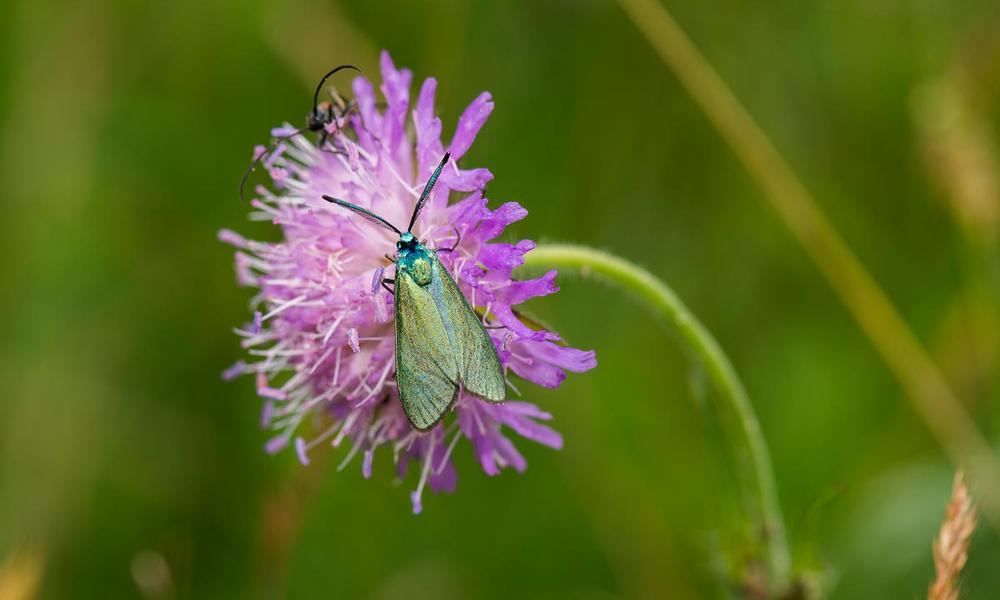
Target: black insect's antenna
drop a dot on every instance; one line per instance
(265, 153)
(364, 213)
(427, 190)
(315, 122)
(319, 87)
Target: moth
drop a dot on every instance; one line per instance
(441, 346)
(322, 115)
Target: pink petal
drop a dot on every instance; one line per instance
(469, 124)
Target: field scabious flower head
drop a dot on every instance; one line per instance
(322, 338)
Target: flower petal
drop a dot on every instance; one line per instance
(428, 130)
(364, 95)
(529, 429)
(396, 89)
(571, 359)
(469, 124)
(505, 257)
(494, 225)
(463, 180)
(522, 291)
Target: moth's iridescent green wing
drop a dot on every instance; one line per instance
(426, 371)
(476, 356)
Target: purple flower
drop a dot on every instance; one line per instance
(321, 337)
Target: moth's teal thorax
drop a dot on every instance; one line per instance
(413, 258)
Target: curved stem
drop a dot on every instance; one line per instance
(720, 370)
(931, 394)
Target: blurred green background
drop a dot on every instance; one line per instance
(129, 469)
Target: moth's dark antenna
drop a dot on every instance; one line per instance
(364, 213)
(267, 152)
(319, 87)
(427, 190)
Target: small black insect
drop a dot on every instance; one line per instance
(320, 118)
(325, 113)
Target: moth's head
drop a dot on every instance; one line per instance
(407, 241)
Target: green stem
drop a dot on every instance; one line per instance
(935, 402)
(751, 444)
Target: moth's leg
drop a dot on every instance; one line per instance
(323, 138)
(494, 327)
(385, 283)
(389, 258)
(458, 240)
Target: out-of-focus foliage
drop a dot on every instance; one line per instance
(127, 467)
